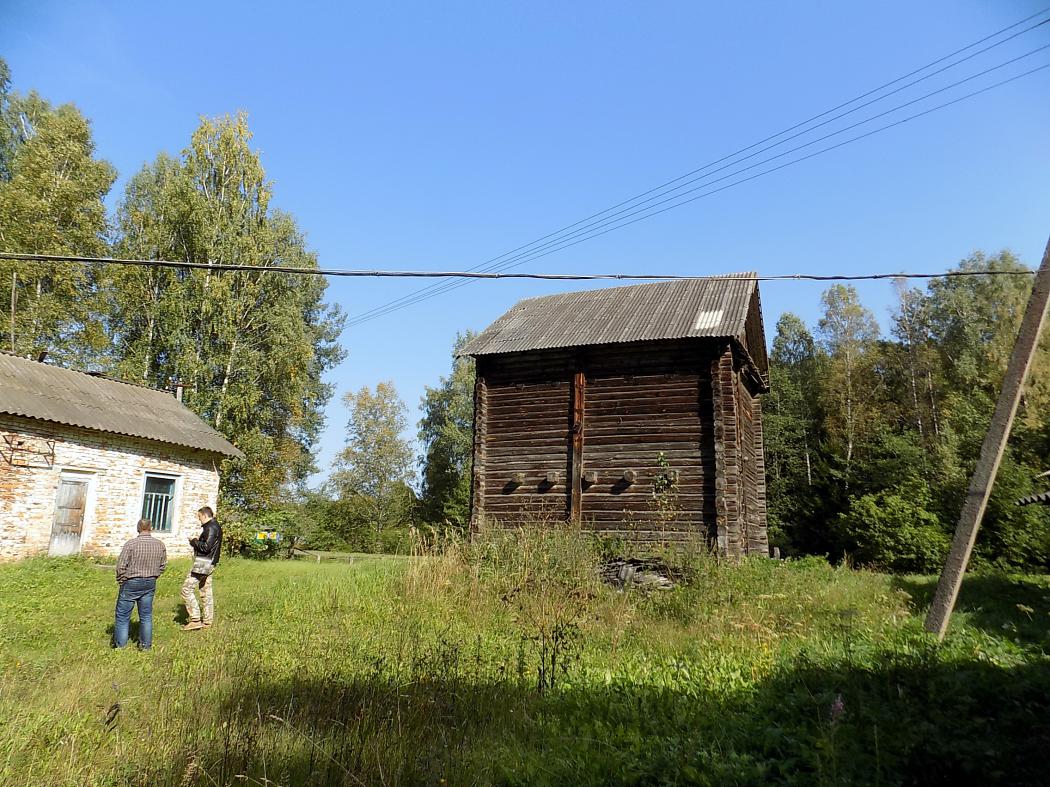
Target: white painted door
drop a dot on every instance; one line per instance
(69, 517)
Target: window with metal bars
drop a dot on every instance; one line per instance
(158, 501)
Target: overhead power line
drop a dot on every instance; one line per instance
(500, 262)
(681, 199)
(217, 267)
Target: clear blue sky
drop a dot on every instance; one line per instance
(437, 135)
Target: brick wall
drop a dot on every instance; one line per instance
(115, 468)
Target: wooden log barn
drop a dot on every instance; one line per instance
(634, 411)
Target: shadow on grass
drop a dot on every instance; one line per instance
(179, 613)
(1000, 604)
(133, 632)
(910, 719)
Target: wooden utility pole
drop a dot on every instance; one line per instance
(991, 453)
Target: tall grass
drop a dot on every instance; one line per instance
(504, 660)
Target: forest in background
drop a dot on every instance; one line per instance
(870, 439)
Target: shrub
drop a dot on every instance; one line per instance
(395, 541)
(240, 528)
(547, 572)
(893, 530)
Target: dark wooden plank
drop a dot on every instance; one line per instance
(579, 385)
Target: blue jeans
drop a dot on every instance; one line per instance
(135, 591)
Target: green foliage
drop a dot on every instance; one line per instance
(848, 332)
(791, 420)
(1015, 536)
(342, 523)
(891, 530)
(51, 202)
(854, 424)
(376, 465)
(251, 347)
(446, 436)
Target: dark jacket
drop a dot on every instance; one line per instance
(209, 542)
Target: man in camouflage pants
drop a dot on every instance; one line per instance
(206, 549)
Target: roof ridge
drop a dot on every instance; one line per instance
(693, 307)
(718, 276)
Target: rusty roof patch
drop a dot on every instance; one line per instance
(49, 393)
(689, 308)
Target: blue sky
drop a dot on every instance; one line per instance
(438, 135)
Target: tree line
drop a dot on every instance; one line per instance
(870, 439)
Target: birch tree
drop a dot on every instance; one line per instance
(51, 202)
(249, 346)
(848, 332)
(376, 465)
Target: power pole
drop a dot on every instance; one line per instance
(991, 453)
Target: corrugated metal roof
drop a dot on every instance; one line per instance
(49, 393)
(687, 308)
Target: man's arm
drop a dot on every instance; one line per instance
(123, 562)
(163, 557)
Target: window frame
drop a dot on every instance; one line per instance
(172, 508)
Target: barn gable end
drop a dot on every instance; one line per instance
(633, 410)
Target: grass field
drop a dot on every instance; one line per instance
(507, 663)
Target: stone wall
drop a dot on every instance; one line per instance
(115, 467)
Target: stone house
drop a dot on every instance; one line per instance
(634, 411)
(83, 457)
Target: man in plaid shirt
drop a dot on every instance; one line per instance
(141, 561)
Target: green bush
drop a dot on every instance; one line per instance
(395, 541)
(893, 530)
(240, 528)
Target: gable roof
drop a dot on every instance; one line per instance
(711, 307)
(65, 396)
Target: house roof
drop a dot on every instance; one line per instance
(92, 401)
(711, 307)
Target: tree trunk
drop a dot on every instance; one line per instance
(849, 416)
(225, 385)
(14, 305)
(933, 404)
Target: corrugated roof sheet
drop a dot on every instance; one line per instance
(687, 308)
(49, 393)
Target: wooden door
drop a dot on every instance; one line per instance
(69, 517)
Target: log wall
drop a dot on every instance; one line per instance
(644, 402)
(524, 470)
(587, 433)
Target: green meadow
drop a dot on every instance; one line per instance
(507, 661)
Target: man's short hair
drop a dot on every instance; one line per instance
(144, 526)
(206, 510)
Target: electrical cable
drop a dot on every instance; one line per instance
(217, 267)
(652, 210)
(489, 264)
